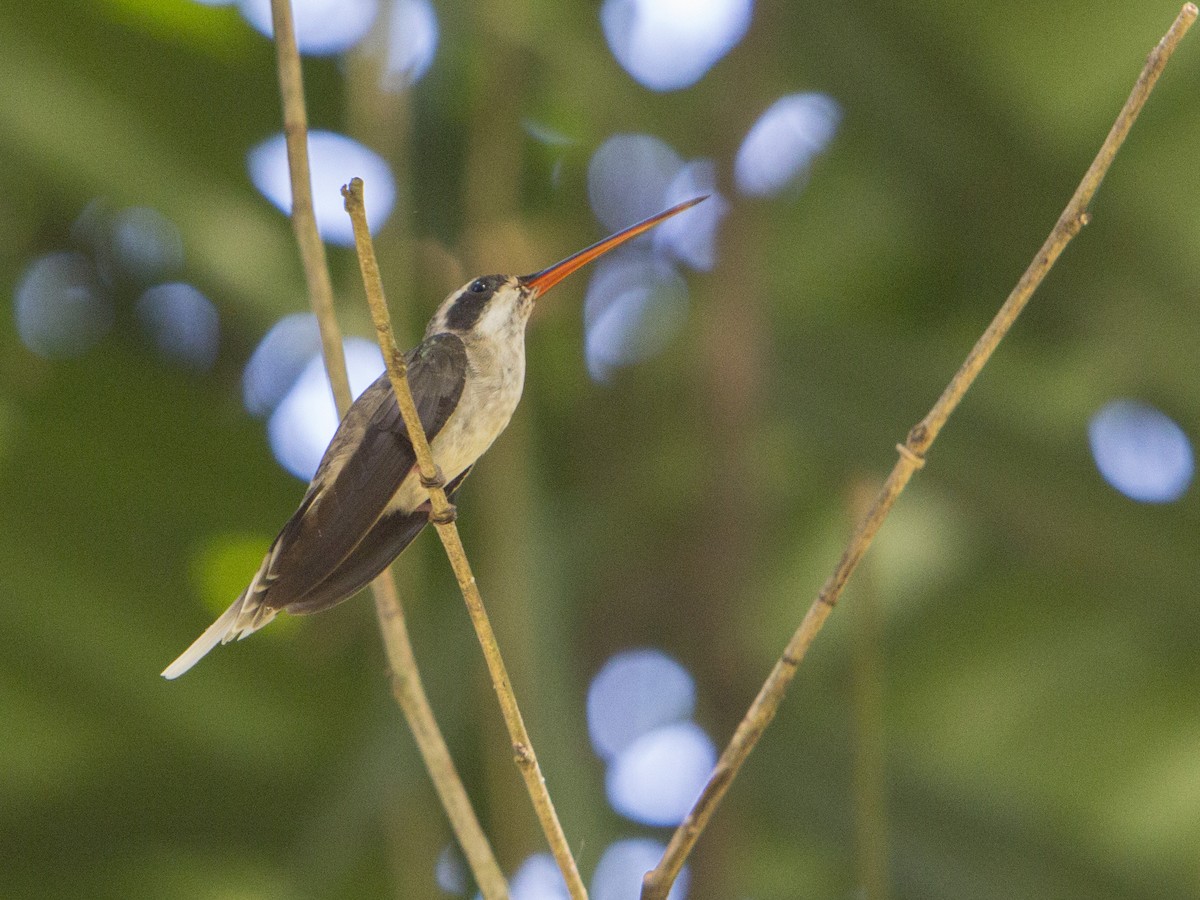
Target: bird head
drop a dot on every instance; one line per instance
(495, 306)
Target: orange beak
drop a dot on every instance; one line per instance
(540, 282)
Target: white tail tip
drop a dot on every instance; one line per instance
(213, 635)
(233, 623)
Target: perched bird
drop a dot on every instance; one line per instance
(366, 502)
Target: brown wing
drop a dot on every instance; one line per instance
(385, 541)
(365, 464)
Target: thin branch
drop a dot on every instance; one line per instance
(406, 678)
(442, 517)
(658, 881)
(410, 694)
(304, 222)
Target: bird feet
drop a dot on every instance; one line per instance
(450, 513)
(438, 479)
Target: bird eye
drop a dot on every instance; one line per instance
(478, 286)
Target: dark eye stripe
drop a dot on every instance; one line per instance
(470, 304)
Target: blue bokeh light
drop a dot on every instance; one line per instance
(538, 878)
(635, 305)
(412, 40)
(656, 779)
(182, 323)
(60, 308)
(450, 871)
(635, 692)
(146, 243)
(628, 177)
(334, 159)
(619, 873)
(779, 148)
(278, 360)
(304, 421)
(691, 236)
(322, 26)
(1141, 452)
(633, 176)
(666, 45)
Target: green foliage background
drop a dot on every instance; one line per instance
(1040, 631)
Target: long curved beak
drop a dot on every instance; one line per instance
(540, 282)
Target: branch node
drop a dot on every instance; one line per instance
(914, 459)
(521, 755)
(918, 436)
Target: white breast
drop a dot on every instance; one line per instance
(490, 396)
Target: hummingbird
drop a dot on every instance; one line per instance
(366, 503)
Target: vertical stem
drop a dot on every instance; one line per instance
(442, 517)
(304, 221)
(410, 694)
(406, 678)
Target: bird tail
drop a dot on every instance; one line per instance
(245, 616)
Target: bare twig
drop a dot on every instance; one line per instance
(406, 679)
(304, 222)
(410, 694)
(442, 518)
(657, 882)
